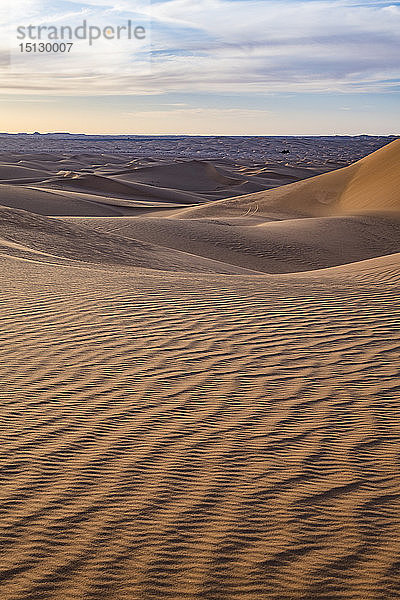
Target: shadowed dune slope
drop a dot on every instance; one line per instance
(97, 186)
(191, 175)
(272, 247)
(371, 185)
(16, 171)
(33, 237)
(52, 202)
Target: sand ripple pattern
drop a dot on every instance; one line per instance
(197, 438)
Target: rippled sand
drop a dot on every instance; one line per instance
(178, 423)
(170, 437)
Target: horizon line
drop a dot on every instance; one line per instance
(294, 135)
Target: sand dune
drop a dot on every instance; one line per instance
(195, 182)
(50, 202)
(97, 184)
(269, 246)
(190, 175)
(369, 185)
(22, 234)
(199, 405)
(118, 189)
(16, 172)
(102, 180)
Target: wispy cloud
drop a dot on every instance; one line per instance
(230, 46)
(270, 46)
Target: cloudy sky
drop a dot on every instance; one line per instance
(236, 67)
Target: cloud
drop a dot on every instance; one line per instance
(289, 45)
(231, 47)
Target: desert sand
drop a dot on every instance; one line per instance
(199, 365)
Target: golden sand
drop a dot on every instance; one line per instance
(188, 424)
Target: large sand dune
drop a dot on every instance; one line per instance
(368, 186)
(268, 246)
(199, 405)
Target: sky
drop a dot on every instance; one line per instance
(204, 67)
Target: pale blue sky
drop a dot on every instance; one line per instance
(211, 67)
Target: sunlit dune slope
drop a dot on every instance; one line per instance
(371, 185)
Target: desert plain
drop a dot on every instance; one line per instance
(199, 366)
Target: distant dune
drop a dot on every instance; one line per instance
(106, 185)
